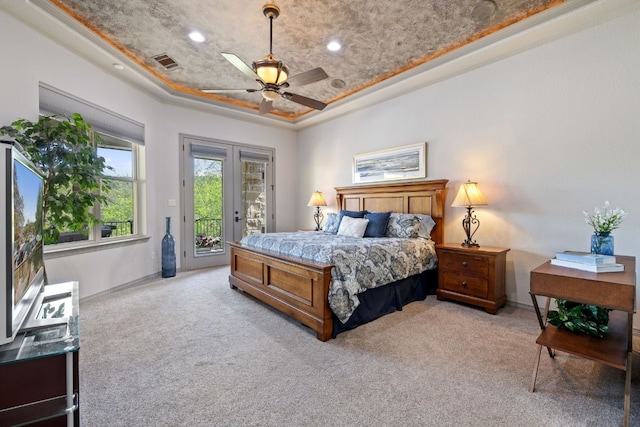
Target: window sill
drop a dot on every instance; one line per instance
(65, 249)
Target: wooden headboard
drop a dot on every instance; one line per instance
(420, 197)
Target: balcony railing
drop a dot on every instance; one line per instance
(116, 228)
(208, 234)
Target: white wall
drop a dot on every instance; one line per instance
(547, 133)
(30, 57)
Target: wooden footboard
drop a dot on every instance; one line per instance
(295, 287)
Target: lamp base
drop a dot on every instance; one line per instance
(467, 222)
(467, 244)
(318, 217)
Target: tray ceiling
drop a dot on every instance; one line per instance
(380, 40)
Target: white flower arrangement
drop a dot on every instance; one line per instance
(605, 219)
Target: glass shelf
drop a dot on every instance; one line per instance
(43, 335)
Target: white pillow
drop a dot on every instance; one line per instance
(353, 227)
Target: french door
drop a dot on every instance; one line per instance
(227, 193)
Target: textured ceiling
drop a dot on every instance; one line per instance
(381, 39)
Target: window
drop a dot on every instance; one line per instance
(118, 217)
(121, 144)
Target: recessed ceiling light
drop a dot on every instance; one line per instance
(196, 36)
(334, 46)
(118, 66)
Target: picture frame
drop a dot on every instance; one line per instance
(398, 163)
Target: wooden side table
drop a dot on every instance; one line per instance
(616, 291)
(472, 275)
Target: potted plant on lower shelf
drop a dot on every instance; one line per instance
(581, 318)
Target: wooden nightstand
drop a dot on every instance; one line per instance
(472, 275)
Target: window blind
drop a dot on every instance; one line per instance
(252, 156)
(56, 102)
(208, 151)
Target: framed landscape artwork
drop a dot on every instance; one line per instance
(407, 162)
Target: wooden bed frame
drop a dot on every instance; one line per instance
(300, 288)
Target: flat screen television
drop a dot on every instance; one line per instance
(21, 245)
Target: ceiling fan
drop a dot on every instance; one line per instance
(273, 75)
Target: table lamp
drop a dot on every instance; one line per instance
(469, 196)
(317, 200)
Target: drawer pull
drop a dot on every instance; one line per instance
(464, 283)
(465, 263)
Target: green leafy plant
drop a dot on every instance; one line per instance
(63, 148)
(605, 219)
(582, 318)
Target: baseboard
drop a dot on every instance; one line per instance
(138, 282)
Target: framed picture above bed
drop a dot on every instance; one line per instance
(406, 162)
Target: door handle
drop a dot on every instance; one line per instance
(239, 219)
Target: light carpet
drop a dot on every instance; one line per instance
(189, 351)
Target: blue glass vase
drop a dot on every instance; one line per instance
(602, 243)
(168, 252)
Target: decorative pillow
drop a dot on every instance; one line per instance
(426, 225)
(353, 227)
(333, 221)
(377, 223)
(403, 225)
(352, 214)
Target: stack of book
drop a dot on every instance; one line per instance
(587, 262)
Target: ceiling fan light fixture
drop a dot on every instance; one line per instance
(270, 94)
(271, 71)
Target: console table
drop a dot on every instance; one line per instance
(39, 371)
(616, 291)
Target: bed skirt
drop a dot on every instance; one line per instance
(377, 302)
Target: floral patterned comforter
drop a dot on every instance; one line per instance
(359, 263)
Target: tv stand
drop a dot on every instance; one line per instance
(39, 369)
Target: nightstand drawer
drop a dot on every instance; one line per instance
(468, 285)
(467, 264)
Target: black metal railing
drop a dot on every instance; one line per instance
(116, 228)
(208, 233)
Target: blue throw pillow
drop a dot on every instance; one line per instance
(377, 225)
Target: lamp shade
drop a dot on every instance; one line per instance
(317, 199)
(271, 71)
(469, 195)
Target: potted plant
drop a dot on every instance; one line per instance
(604, 220)
(581, 318)
(63, 148)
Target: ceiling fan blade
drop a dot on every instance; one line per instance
(303, 100)
(265, 106)
(307, 77)
(229, 90)
(242, 66)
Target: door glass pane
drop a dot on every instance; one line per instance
(208, 205)
(254, 197)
